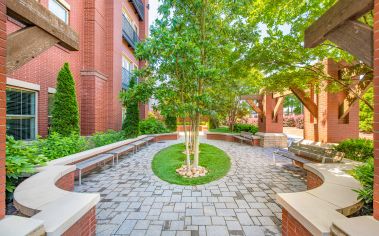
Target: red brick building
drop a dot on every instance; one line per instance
(108, 31)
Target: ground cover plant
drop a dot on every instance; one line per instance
(168, 160)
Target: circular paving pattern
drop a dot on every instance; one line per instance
(136, 202)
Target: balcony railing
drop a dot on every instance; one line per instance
(140, 8)
(126, 76)
(128, 33)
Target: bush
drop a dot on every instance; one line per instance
(57, 145)
(131, 122)
(365, 175)
(171, 123)
(246, 128)
(366, 115)
(65, 111)
(152, 126)
(294, 121)
(104, 138)
(357, 149)
(21, 159)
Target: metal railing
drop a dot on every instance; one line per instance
(140, 8)
(128, 33)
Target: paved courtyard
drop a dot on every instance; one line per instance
(136, 202)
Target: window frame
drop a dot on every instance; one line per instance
(64, 6)
(35, 116)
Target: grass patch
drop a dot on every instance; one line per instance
(168, 160)
(221, 130)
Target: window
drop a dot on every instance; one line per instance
(21, 118)
(59, 10)
(50, 102)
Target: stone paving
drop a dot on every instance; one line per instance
(136, 202)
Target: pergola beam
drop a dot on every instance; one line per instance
(306, 100)
(336, 16)
(353, 96)
(33, 13)
(22, 46)
(251, 97)
(278, 104)
(355, 38)
(282, 94)
(255, 107)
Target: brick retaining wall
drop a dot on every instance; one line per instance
(292, 227)
(85, 226)
(66, 182)
(313, 181)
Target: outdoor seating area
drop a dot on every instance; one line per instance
(189, 118)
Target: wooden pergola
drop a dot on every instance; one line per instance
(42, 31)
(340, 25)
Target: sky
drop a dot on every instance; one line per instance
(153, 11)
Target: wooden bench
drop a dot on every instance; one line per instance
(149, 139)
(96, 160)
(285, 153)
(122, 151)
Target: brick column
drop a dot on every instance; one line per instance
(3, 37)
(376, 109)
(270, 127)
(266, 123)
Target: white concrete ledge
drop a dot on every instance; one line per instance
(356, 226)
(318, 208)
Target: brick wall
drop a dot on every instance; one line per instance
(328, 128)
(313, 181)
(376, 109)
(67, 182)
(86, 226)
(96, 67)
(2, 104)
(291, 227)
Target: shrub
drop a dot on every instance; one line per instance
(21, 159)
(299, 121)
(131, 122)
(357, 149)
(171, 123)
(65, 111)
(152, 126)
(366, 115)
(365, 175)
(57, 145)
(246, 128)
(103, 138)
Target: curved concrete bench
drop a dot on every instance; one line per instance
(315, 210)
(40, 198)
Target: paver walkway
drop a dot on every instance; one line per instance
(136, 202)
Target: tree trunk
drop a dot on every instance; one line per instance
(186, 140)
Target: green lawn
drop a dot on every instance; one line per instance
(168, 160)
(221, 130)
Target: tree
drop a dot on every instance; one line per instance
(131, 121)
(65, 120)
(366, 114)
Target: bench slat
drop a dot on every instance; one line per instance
(121, 150)
(94, 160)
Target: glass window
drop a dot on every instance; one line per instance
(21, 107)
(50, 102)
(59, 10)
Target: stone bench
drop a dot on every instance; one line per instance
(316, 152)
(285, 153)
(330, 198)
(247, 137)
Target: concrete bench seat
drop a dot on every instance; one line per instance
(40, 198)
(122, 151)
(334, 200)
(96, 160)
(316, 152)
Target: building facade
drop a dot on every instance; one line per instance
(109, 31)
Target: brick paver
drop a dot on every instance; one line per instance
(136, 202)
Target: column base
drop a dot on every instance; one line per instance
(278, 140)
